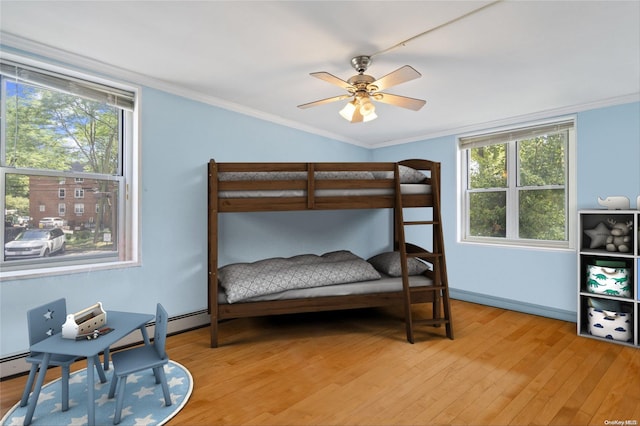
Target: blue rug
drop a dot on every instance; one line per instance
(143, 402)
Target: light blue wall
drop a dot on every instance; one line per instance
(534, 280)
(179, 136)
(608, 154)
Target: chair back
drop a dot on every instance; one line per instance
(46, 320)
(160, 332)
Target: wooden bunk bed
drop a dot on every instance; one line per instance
(261, 187)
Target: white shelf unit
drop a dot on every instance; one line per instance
(589, 220)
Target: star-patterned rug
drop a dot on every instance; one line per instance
(143, 402)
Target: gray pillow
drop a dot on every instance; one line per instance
(389, 263)
(339, 175)
(407, 175)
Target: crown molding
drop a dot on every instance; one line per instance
(519, 119)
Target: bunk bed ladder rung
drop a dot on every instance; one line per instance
(421, 222)
(436, 257)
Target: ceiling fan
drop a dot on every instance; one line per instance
(363, 88)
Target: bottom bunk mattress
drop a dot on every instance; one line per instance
(386, 284)
(337, 273)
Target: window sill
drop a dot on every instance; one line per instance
(65, 270)
(564, 246)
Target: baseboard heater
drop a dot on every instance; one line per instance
(16, 364)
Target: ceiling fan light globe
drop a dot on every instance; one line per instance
(367, 107)
(347, 111)
(369, 117)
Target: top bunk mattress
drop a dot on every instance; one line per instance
(413, 182)
(405, 188)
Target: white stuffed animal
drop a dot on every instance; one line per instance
(619, 240)
(617, 202)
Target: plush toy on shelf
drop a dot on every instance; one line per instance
(617, 202)
(620, 238)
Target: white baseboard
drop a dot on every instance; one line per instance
(16, 364)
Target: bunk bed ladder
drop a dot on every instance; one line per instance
(440, 287)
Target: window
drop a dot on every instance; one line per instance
(61, 131)
(517, 185)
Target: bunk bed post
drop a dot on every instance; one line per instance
(212, 226)
(311, 186)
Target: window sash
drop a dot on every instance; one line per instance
(75, 209)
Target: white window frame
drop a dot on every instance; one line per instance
(466, 141)
(129, 210)
(78, 193)
(62, 209)
(61, 193)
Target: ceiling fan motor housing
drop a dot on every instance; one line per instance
(362, 82)
(361, 63)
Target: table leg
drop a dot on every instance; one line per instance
(106, 359)
(96, 361)
(33, 401)
(145, 335)
(91, 420)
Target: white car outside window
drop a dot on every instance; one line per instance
(35, 243)
(51, 222)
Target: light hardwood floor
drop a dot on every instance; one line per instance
(355, 368)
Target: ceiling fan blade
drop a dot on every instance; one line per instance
(401, 101)
(401, 75)
(330, 78)
(323, 101)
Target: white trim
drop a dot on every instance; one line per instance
(512, 121)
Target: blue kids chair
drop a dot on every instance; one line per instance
(152, 356)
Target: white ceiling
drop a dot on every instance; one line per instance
(507, 60)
